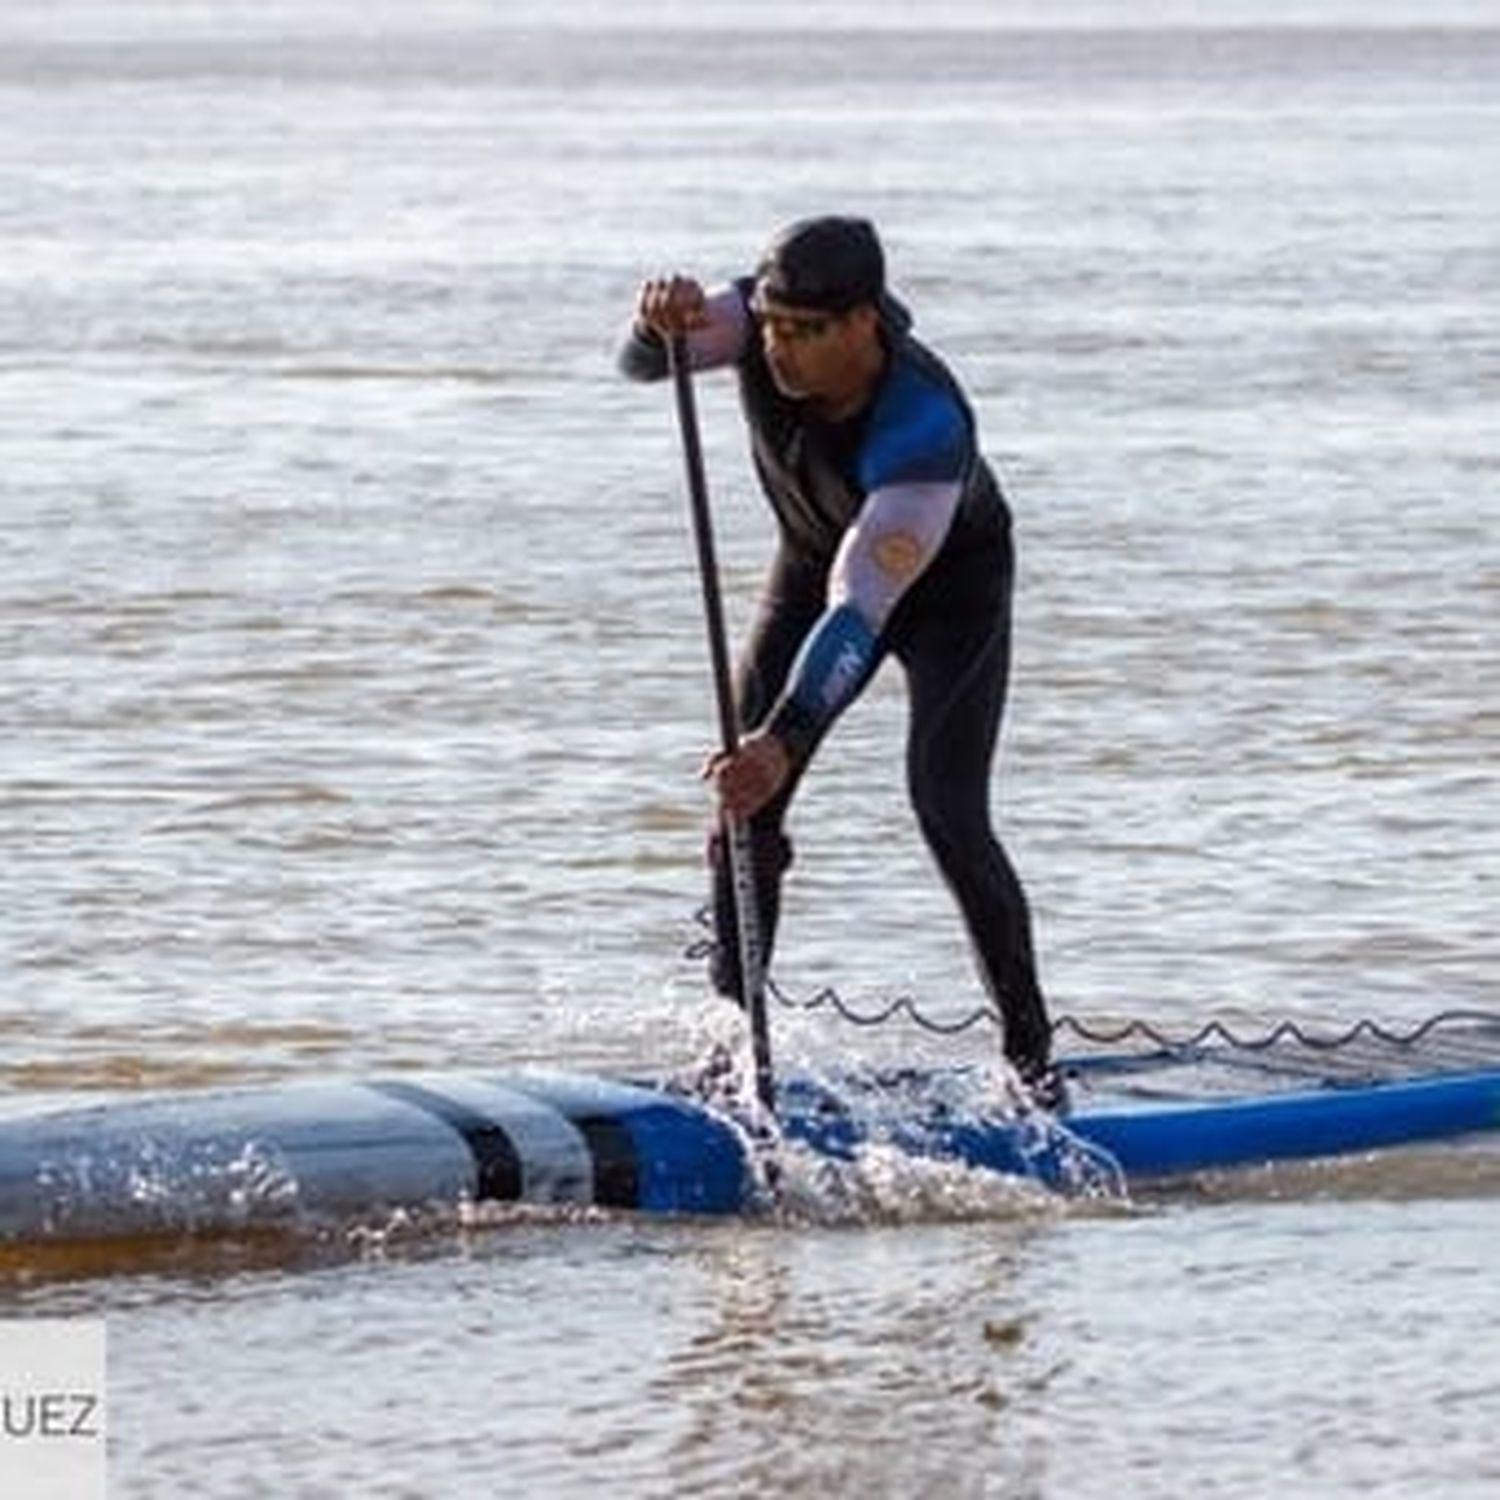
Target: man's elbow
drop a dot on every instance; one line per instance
(642, 357)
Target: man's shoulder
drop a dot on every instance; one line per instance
(919, 428)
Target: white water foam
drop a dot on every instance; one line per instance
(893, 1162)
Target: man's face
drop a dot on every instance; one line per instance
(810, 353)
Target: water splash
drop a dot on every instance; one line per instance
(880, 1184)
(900, 1145)
(223, 1185)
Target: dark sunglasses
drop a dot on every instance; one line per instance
(798, 327)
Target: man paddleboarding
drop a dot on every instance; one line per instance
(894, 540)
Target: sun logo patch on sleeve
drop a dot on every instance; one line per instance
(898, 554)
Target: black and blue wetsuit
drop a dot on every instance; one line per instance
(894, 541)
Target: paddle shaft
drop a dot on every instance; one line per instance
(738, 846)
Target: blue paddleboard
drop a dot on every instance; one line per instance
(224, 1160)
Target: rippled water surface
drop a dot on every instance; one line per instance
(355, 691)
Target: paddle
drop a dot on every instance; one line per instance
(737, 841)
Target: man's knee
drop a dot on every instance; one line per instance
(771, 851)
(950, 817)
(771, 854)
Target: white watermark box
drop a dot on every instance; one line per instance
(52, 1374)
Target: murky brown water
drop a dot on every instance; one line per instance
(354, 695)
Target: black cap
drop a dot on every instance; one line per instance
(828, 264)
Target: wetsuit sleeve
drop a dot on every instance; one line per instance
(899, 531)
(643, 354)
